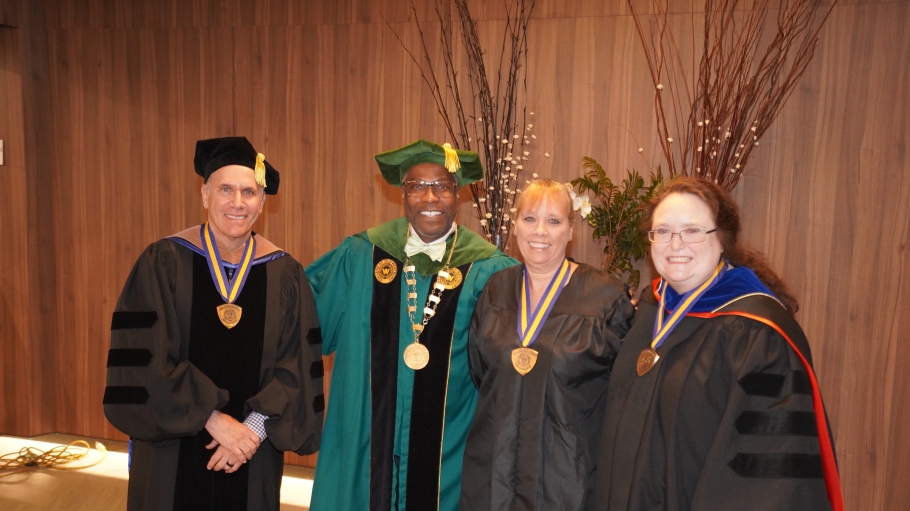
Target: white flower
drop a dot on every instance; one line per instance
(532, 113)
(469, 139)
(526, 153)
(736, 155)
(489, 215)
(582, 204)
(534, 175)
(699, 148)
(571, 193)
(519, 167)
(513, 211)
(707, 122)
(515, 136)
(483, 222)
(546, 155)
(505, 217)
(528, 142)
(534, 136)
(753, 128)
(641, 149)
(701, 123)
(530, 125)
(756, 144)
(504, 228)
(479, 119)
(482, 199)
(670, 140)
(508, 168)
(505, 141)
(660, 86)
(475, 204)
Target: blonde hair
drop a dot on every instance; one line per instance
(553, 191)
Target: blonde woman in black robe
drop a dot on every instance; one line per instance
(542, 391)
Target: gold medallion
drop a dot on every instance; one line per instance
(523, 359)
(646, 361)
(416, 356)
(229, 314)
(453, 281)
(385, 271)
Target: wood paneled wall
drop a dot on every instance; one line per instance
(112, 95)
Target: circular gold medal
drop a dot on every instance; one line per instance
(385, 271)
(416, 356)
(646, 361)
(453, 281)
(523, 360)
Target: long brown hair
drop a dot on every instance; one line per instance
(726, 216)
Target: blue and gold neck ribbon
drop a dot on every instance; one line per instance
(663, 326)
(529, 326)
(229, 289)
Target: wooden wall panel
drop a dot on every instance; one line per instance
(115, 93)
(15, 348)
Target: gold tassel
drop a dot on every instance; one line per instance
(260, 170)
(452, 163)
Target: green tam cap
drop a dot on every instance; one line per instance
(396, 163)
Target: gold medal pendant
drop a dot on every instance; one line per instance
(385, 271)
(229, 314)
(416, 356)
(523, 360)
(453, 280)
(646, 361)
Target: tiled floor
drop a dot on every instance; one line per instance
(101, 487)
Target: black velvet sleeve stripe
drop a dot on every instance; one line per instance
(319, 403)
(777, 423)
(125, 395)
(762, 384)
(136, 319)
(129, 357)
(317, 369)
(314, 336)
(785, 466)
(800, 383)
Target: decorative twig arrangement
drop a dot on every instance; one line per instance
(709, 127)
(488, 118)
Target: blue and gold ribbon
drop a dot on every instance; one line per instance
(663, 326)
(229, 289)
(529, 326)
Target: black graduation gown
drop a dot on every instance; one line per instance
(724, 420)
(534, 438)
(172, 363)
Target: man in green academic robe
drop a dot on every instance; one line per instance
(401, 404)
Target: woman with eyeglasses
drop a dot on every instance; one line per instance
(542, 339)
(713, 402)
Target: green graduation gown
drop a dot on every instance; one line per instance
(394, 437)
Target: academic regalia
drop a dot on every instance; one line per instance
(534, 438)
(729, 417)
(394, 436)
(172, 362)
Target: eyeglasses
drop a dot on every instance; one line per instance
(692, 235)
(442, 189)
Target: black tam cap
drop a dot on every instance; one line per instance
(214, 153)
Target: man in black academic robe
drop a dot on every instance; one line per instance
(215, 365)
